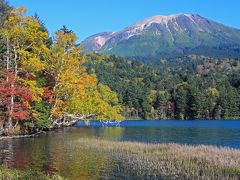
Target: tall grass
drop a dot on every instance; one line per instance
(168, 161)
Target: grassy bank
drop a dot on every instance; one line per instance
(11, 174)
(168, 161)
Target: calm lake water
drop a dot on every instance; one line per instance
(57, 151)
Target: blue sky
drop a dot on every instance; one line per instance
(88, 17)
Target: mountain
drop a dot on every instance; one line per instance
(96, 42)
(161, 36)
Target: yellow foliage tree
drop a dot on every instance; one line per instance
(25, 51)
(76, 91)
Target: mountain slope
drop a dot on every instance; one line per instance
(160, 36)
(95, 42)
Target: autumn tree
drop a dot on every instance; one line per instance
(24, 42)
(22, 97)
(76, 92)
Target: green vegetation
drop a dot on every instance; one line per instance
(10, 174)
(189, 87)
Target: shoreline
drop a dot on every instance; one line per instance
(22, 136)
(136, 142)
(44, 131)
(181, 120)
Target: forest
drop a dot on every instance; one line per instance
(46, 81)
(191, 87)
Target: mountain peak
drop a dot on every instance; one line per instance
(162, 19)
(168, 35)
(168, 17)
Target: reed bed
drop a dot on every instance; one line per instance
(167, 161)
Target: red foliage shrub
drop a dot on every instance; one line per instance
(9, 88)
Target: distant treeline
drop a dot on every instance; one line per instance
(189, 87)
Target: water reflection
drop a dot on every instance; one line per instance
(55, 153)
(59, 151)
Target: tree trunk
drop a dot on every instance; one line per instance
(8, 56)
(63, 123)
(9, 122)
(11, 109)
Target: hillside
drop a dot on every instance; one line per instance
(191, 87)
(169, 36)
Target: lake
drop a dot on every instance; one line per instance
(215, 132)
(57, 151)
